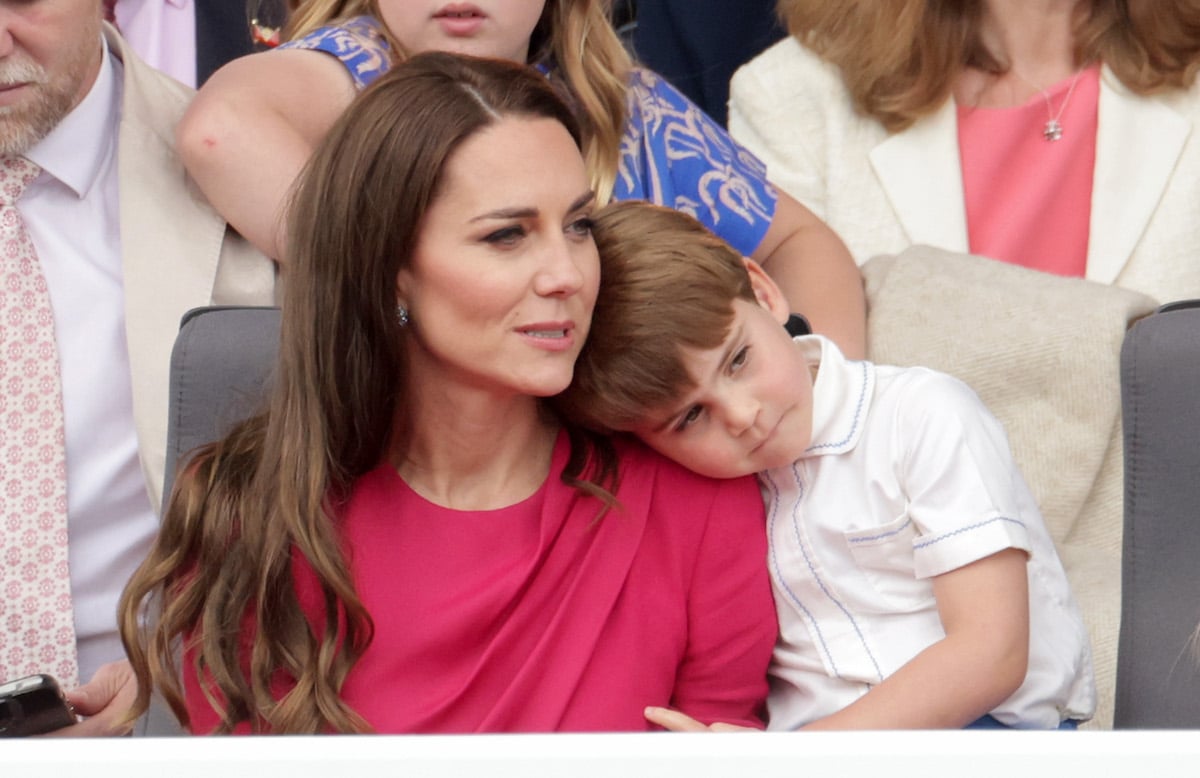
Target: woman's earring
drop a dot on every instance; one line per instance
(401, 314)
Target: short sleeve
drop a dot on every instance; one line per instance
(732, 624)
(358, 44)
(674, 154)
(967, 498)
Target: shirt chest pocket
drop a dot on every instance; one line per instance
(884, 557)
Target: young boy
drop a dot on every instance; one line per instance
(915, 581)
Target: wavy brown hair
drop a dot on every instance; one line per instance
(899, 58)
(575, 37)
(666, 283)
(220, 575)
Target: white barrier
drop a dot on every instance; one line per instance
(978, 754)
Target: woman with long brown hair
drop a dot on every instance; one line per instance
(256, 121)
(409, 539)
(1062, 135)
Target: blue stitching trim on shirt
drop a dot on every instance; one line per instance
(783, 581)
(968, 528)
(862, 396)
(812, 569)
(883, 535)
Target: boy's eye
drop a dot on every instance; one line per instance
(689, 418)
(505, 236)
(739, 359)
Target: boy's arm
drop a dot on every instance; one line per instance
(984, 609)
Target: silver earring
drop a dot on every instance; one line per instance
(401, 314)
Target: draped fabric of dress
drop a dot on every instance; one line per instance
(539, 617)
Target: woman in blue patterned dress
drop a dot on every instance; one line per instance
(255, 123)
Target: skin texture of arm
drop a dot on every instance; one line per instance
(251, 129)
(984, 608)
(819, 278)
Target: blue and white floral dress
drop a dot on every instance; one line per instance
(672, 153)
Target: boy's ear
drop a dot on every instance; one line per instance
(766, 291)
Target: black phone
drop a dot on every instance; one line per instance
(33, 705)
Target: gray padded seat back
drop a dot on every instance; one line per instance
(1158, 674)
(222, 360)
(220, 365)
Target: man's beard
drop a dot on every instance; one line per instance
(24, 124)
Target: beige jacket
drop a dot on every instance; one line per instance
(883, 193)
(177, 252)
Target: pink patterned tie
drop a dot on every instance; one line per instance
(37, 628)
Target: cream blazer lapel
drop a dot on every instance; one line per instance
(1138, 145)
(170, 244)
(921, 175)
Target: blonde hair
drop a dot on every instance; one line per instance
(899, 58)
(666, 283)
(245, 506)
(574, 36)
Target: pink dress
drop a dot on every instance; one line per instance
(1028, 200)
(537, 618)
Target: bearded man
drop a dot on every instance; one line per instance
(100, 220)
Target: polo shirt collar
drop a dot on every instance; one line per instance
(841, 396)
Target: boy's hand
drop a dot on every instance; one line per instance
(674, 721)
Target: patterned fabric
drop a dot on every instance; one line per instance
(358, 43)
(672, 153)
(38, 634)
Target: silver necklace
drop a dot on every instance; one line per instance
(1052, 130)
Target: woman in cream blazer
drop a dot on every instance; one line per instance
(882, 191)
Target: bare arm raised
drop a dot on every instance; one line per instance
(252, 127)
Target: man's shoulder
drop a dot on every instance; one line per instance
(149, 97)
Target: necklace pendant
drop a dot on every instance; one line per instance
(1052, 131)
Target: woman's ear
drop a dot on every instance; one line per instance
(403, 286)
(766, 291)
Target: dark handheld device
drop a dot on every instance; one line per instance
(33, 705)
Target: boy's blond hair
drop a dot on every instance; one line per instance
(666, 284)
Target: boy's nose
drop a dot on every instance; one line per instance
(741, 411)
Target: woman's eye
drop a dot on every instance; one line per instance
(689, 418)
(581, 227)
(506, 236)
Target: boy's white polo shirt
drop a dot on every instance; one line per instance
(908, 476)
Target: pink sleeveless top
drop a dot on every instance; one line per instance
(1028, 199)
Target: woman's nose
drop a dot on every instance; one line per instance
(561, 273)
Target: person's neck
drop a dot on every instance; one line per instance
(1035, 39)
(474, 452)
